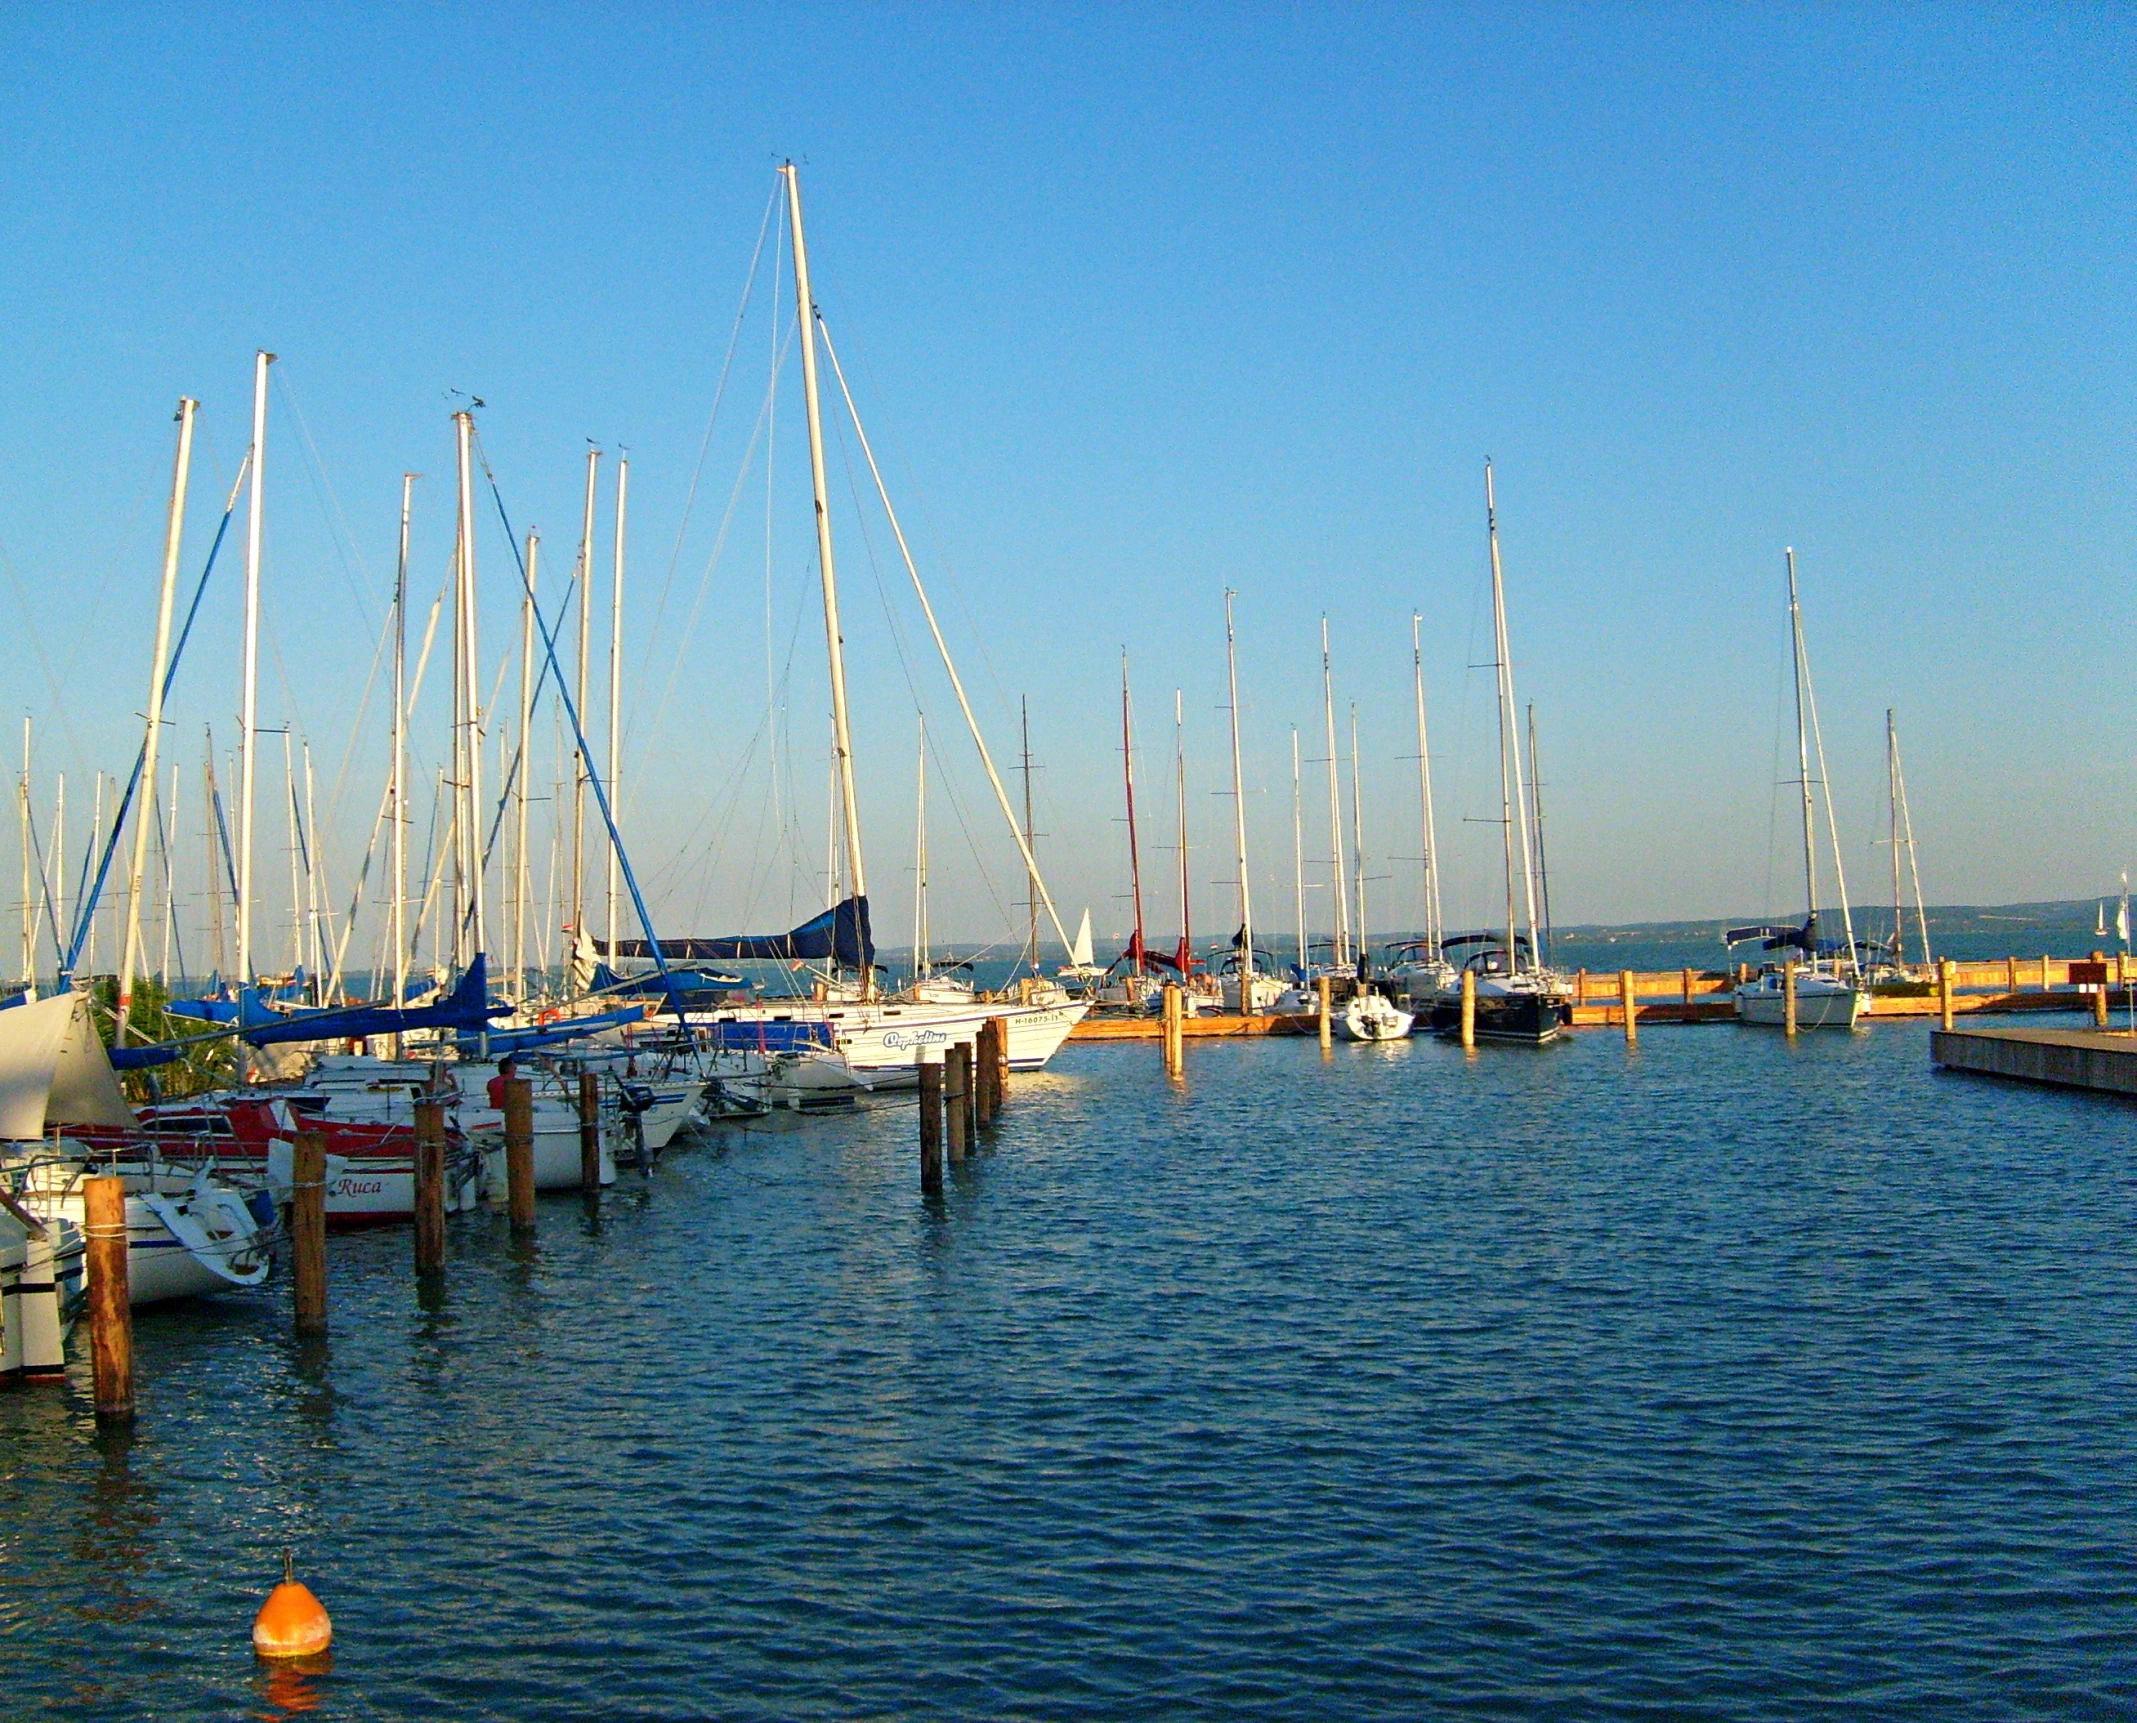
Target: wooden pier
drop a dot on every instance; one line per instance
(2003, 985)
(2101, 1060)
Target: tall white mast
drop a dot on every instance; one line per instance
(1892, 802)
(29, 900)
(96, 829)
(314, 872)
(1357, 832)
(841, 736)
(170, 880)
(1899, 780)
(1433, 926)
(472, 794)
(1239, 822)
(248, 715)
(584, 581)
(173, 540)
(615, 692)
(296, 883)
(920, 862)
(400, 760)
(1339, 892)
(59, 861)
(1179, 769)
(526, 764)
(1513, 793)
(1803, 759)
(1298, 856)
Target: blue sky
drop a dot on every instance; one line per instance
(1140, 303)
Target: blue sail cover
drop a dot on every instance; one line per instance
(466, 1007)
(840, 934)
(1804, 938)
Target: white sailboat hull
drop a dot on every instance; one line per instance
(1823, 1005)
(885, 1043)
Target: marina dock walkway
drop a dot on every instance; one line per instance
(2098, 1059)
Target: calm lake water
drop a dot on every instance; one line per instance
(1716, 1379)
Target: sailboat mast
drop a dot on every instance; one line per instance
(1179, 766)
(173, 539)
(841, 735)
(1339, 894)
(584, 582)
(615, 689)
(1135, 854)
(471, 791)
(520, 874)
(1357, 832)
(1914, 869)
(1239, 820)
(1433, 929)
(29, 902)
(1892, 833)
(1031, 870)
(400, 764)
(1298, 855)
(920, 861)
(1803, 761)
(248, 709)
(1509, 770)
(1543, 864)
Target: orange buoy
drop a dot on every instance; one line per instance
(292, 1622)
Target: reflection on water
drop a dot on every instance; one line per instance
(1715, 1378)
(290, 1686)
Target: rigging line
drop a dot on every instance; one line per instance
(1832, 826)
(956, 682)
(339, 787)
(571, 711)
(28, 622)
(87, 898)
(337, 520)
(734, 337)
(642, 755)
(949, 569)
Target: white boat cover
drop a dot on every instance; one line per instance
(54, 1070)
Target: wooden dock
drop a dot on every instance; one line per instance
(1207, 1026)
(2101, 1060)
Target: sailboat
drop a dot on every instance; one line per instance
(1517, 998)
(1828, 990)
(1080, 966)
(884, 1040)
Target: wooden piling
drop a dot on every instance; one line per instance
(1944, 993)
(1788, 996)
(983, 1069)
(111, 1315)
(1688, 986)
(519, 1152)
(1631, 1008)
(2045, 983)
(930, 1127)
(430, 1187)
(1324, 1012)
(1001, 1063)
(589, 1133)
(1469, 1008)
(307, 1231)
(1175, 1039)
(957, 1094)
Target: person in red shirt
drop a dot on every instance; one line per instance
(507, 1068)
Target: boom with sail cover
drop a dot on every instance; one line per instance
(841, 934)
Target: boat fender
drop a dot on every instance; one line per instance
(292, 1622)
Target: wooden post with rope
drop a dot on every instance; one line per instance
(111, 1315)
(589, 1133)
(930, 1126)
(519, 1152)
(957, 1092)
(307, 1231)
(430, 1185)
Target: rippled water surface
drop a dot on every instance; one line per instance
(1715, 1379)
